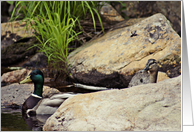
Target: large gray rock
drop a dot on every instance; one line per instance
(113, 59)
(149, 107)
(16, 94)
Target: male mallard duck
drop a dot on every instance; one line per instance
(142, 77)
(35, 103)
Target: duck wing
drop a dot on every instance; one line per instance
(50, 105)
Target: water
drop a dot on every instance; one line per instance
(13, 120)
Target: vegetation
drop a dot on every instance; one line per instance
(55, 24)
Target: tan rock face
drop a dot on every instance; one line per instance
(16, 27)
(149, 107)
(15, 76)
(125, 51)
(162, 76)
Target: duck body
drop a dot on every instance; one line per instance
(30, 103)
(35, 104)
(139, 78)
(147, 75)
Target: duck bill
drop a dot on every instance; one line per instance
(145, 69)
(26, 80)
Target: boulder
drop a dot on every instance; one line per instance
(39, 60)
(112, 60)
(17, 93)
(17, 52)
(17, 28)
(14, 76)
(149, 107)
(109, 14)
(139, 9)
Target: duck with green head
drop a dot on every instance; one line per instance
(35, 103)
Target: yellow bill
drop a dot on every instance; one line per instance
(27, 79)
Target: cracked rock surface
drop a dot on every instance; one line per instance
(148, 107)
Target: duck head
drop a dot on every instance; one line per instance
(37, 77)
(152, 67)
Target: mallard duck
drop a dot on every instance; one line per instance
(152, 67)
(143, 77)
(35, 103)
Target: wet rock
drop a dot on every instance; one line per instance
(39, 60)
(17, 93)
(149, 107)
(14, 76)
(113, 59)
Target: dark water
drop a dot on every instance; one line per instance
(11, 120)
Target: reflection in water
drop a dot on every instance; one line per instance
(13, 120)
(36, 122)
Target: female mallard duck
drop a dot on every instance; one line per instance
(152, 67)
(142, 77)
(35, 103)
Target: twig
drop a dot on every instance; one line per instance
(88, 87)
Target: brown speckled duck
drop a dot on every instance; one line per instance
(143, 77)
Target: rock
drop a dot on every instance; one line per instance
(39, 60)
(14, 76)
(9, 69)
(112, 60)
(126, 23)
(143, 78)
(136, 9)
(17, 28)
(18, 93)
(17, 52)
(109, 14)
(149, 107)
(162, 76)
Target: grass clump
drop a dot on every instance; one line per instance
(55, 24)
